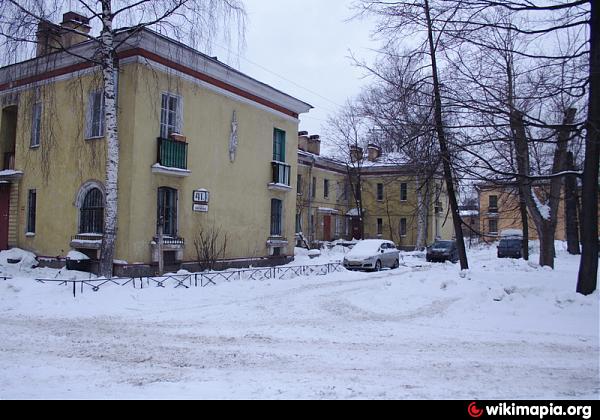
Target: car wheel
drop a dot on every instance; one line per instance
(396, 265)
(378, 266)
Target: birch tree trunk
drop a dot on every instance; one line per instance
(108, 59)
(422, 210)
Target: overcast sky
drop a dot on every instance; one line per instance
(301, 47)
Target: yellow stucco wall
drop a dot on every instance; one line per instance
(391, 210)
(240, 198)
(59, 166)
(240, 201)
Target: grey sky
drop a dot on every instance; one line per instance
(307, 43)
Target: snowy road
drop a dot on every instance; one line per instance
(417, 332)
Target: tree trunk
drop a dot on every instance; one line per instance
(571, 211)
(545, 223)
(108, 57)
(422, 211)
(547, 250)
(445, 152)
(588, 271)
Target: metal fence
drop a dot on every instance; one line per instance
(197, 279)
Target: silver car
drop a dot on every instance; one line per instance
(372, 255)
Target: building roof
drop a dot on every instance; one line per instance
(161, 52)
(389, 164)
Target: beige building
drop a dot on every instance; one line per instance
(202, 147)
(327, 209)
(500, 211)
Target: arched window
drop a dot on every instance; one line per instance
(91, 212)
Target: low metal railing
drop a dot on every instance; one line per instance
(87, 237)
(169, 240)
(198, 279)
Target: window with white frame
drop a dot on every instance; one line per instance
(171, 115)
(36, 125)
(404, 192)
(380, 191)
(95, 115)
(403, 227)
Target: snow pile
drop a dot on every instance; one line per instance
(505, 329)
(21, 260)
(77, 256)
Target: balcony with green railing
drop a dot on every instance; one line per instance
(172, 158)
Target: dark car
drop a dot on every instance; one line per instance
(510, 248)
(442, 251)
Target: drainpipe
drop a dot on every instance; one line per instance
(310, 199)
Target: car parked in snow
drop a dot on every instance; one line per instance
(442, 251)
(511, 244)
(510, 248)
(372, 255)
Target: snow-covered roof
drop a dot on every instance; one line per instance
(354, 212)
(469, 213)
(10, 172)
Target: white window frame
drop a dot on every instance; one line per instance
(178, 127)
(382, 197)
(91, 132)
(36, 125)
(404, 199)
(403, 232)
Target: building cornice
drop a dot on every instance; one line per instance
(164, 51)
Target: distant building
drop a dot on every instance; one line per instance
(500, 211)
(327, 209)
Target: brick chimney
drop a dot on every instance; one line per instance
(356, 154)
(374, 152)
(72, 31)
(314, 145)
(303, 141)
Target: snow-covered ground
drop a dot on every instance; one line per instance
(505, 330)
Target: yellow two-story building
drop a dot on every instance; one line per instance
(203, 148)
(391, 195)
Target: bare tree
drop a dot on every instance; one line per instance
(117, 20)
(211, 246)
(425, 23)
(398, 105)
(348, 131)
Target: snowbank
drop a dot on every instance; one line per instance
(424, 331)
(22, 260)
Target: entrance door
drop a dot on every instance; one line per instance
(4, 206)
(356, 230)
(327, 228)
